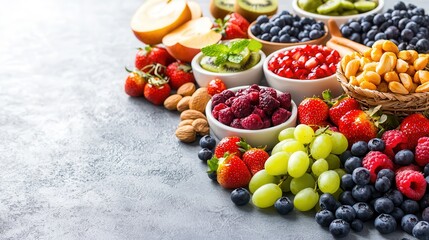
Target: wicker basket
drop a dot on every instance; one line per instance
(392, 103)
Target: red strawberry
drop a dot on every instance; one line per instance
(233, 31)
(414, 127)
(255, 159)
(135, 83)
(411, 183)
(313, 111)
(231, 171)
(215, 86)
(356, 125)
(152, 55)
(229, 145)
(238, 20)
(179, 74)
(341, 107)
(232, 26)
(156, 89)
(422, 151)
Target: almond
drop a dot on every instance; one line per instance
(191, 114)
(171, 102)
(186, 133)
(199, 124)
(199, 100)
(186, 122)
(183, 104)
(186, 89)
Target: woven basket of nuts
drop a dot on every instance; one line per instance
(383, 75)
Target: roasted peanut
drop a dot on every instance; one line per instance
(367, 53)
(372, 77)
(423, 76)
(385, 65)
(401, 66)
(389, 46)
(391, 77)
(406, 80)
(359, 77)
(414, 55)
(397, 87)
(346, 59)
(420, 63)
(376, 54)
(416, 78)
(354, 81)
(382, 87)
(368, 85)
(379, 44)
(352, 68)
(404, 55)
(411, 71)
(423, 88)
(363, 62)
(370, 66)
(413, 90)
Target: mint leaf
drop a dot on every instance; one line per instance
(238, 46)
(221, 59)
(235, 58)
(215, 50)
(254, 45)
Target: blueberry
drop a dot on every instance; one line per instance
(266, 37)
(352, 163)
(395, 20)
(284, 13)
(385, 25)
(279, 22)
(347, 182)
(421, 230)
(324, 218)
(207, 142)
(418, 19)
(376, 144)
(285, 38)
(368, 18)
(306, 20)
(424, 201)
(361, 193)
(275, 30)
(294, 40)
(327, 202)
(303, 34)
(346, 31)
(357, 225)
(422, 45)
(355, 37)
(386, 173)
(404, 157)
(297, 24)
(402, 23)
(392, 32)
(383, 184)
(316, 27)
(379, 19)
(287, 28)
(283, 205)
(275, 39)
(396, 13)
(383, 205)
(426, 170)
(359, 148)
(294, 31)
(361, 176)
(419, 11)
(404, 14)
(363, 211)
(344, 156)
(262, 19)
(400, 6)
(212, 175)
(414, 40)
(256, 29)
(306, 39)
(407, 35)
(425, 214)
(355, 26)
(410, 206)
(240, 196)
(288, 19)
(380, 36)
(388, 15)
(411, 6)
(371, 34)
(413, 27)
(205, 154)
(411, 47)
(394, 41)
(424, 31)
(365, 26)
(402, 46)
(266, 27)
(365, 41)
(339, 228)
(374, 193)
(385, 223)
(397, 213)
(396, 197)
(346, 198)
(315, 34)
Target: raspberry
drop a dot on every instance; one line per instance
(254, 97)
(217, 108)
(227, 94)
(267, 122)
(422, 151)
(270, 91)
(260, 112)
(374, 161)
(236, 123)
(218, 98)
(280, 116)
(241, 107)
(226, 116)
(411, 183)
(393, 139)
(409, 167)
(285, 100)
(229, 101)
(268, 103)
(253, 122)
(255, 86)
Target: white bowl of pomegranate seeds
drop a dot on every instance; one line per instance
(255, 113)
(304, 70)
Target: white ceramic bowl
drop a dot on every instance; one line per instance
(339, 19)
(262, 137)
(301, 89)
(250, 76)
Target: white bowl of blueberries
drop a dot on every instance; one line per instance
(254, 113)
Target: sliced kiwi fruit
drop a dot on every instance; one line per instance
(347, 5)
(365, 6)
(254, 58)
(350, 12)
(245, 54)
(208, 63)
(251, 9)
(220, 8)
(329, 6)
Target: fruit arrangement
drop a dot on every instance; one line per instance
(337, 7)
(250, 9)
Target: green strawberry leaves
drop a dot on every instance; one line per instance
(213, 164)
(230, 52)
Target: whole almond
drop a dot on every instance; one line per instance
(204, 131)
(199, 100)
(186, 122)
(171, 102)
(186, 89)
(183, 104)
(191, 114)
(186, 133)
(199, 124)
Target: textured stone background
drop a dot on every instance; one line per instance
(81, 160)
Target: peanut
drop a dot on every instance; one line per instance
(385, 64)
(372, 77)
(414, 55)
(420, 63)
(423, 76)
(363, 62)
(391, 77)
(416, 78)
(411, 71)
(401, 66)
(352, 68)
(379, 44)
(383, 87)
(405, 55)
(370, 66)
(397, 88)
(423, 88)
(367, 53)
(389, 46)
(354, 81)
(406, 80)
(368, 85)
(376, 54)
(346, 59)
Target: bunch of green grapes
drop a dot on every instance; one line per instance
(304, 162)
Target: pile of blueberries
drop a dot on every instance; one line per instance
(287, 28)
(405, 25)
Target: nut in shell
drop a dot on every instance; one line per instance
(171, 102)
(186, 133)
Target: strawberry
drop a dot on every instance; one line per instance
(152, 55)
(179, 74)
(135, 83)
(229, 145)
(341, 107)
(414, 127)
(233, 31)
(313, 111)
(215, 86)
(157, 88)
(356, 125)
(232, 26)
(255, 159)
(231, 171)
(238, 20)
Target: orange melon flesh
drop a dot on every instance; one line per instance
(156, 18)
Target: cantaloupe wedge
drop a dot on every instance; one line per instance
(156, 18)
(195, 9)
(186, 41)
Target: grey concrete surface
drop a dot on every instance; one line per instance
(81, 160)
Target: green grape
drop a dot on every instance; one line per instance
(310, 163)
(340, 172)
(333, 161)
(320, 166)
(285, 185)
(339, 143)
(322, 130)
(298, 164)
(304, 133)
(286, 134)
(329, 182)
(321, 146)
(261, 178)
(279, 146)
(306, 199)
(305, 181)
(277, 164)
(266, 195)
(293, 146)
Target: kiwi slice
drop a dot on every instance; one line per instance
(220, 8)
(347, 5)
(350, 12)
(245, 54)
(251, 9)
(329, 6)
(365, 6)
(208, 63)
(254, 58)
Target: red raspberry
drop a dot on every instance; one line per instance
(285, 100)
(253, 122)
(229, 101)
(226, 116)
(254, 97)
(280, 116)
(422, 151)
(217, 108)
(393, 139)
(270, 91)
(260, 112)
(227, 94)
(241, 107)
(374, 161)
(411, 183)
(267, 122)
(236, 123)
(218, 98)
(409, 167)
(268, 103)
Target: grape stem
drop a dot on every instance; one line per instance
(283, 179)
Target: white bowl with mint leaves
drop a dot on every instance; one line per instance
(237, 63)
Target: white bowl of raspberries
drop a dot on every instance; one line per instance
(255, 113)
